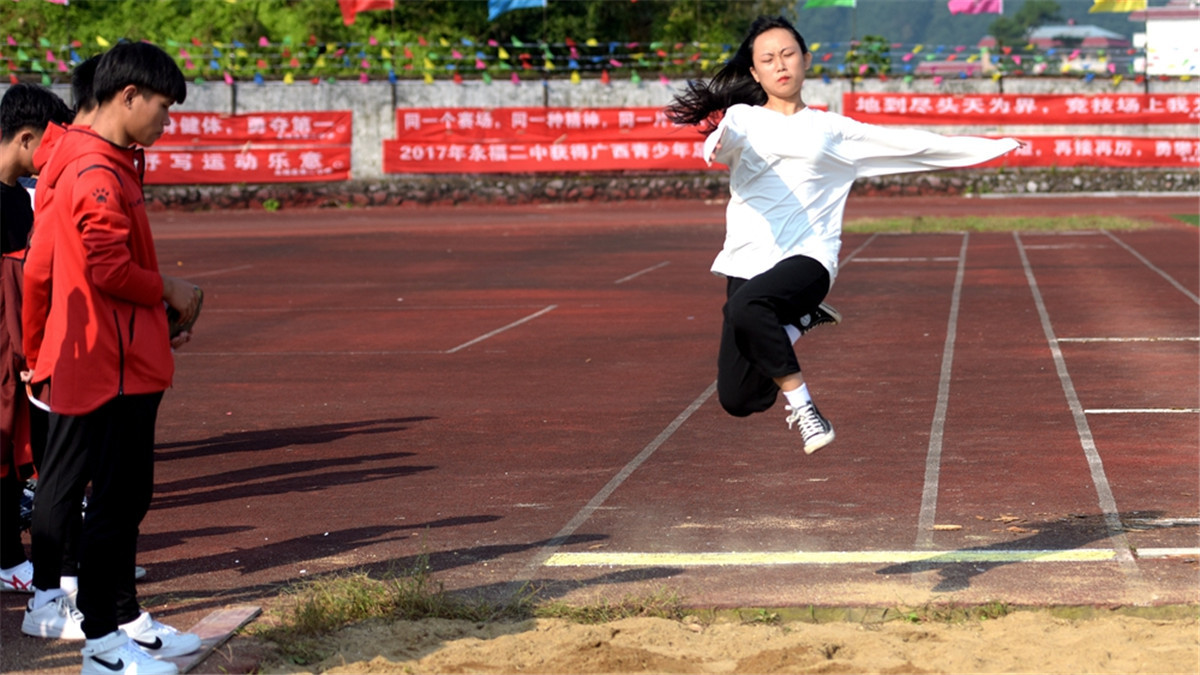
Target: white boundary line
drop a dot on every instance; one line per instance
(933, 458)
(1152, 266)
(1129, 339)
(213, 273)
(518, 322)
(906, 260)
(1108, 503)
(563, 535)
(776, 558)
(1140, 411)
(641, 272)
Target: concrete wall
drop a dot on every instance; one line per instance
(374, 103)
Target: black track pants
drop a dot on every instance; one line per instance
(755, 349)
(113, 448)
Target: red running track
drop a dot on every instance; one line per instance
(524, 395)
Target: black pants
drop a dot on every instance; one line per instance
(755, 348)
(113, 448)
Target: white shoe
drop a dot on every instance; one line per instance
(158, 639)
(56, 619)
(116, 653)
(814, 428)
(18, 578)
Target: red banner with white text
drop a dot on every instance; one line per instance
(266, 147)
(1103, 151)
(1035, 109)
(524, 140)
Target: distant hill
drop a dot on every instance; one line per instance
(928, 22)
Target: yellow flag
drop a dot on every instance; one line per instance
(102, 42)
(575, 79)
(428, 78)
(502, 53)
(288, 79)
(387, 54)
(1117, 6)
(592, 42)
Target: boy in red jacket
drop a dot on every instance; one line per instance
(25, 111)
(96, 333)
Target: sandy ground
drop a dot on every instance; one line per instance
(1032, 641)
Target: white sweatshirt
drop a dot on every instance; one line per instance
(790, 175)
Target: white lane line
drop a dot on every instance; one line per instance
(213, 273)
(641, 272)
(855, 252)
(1129, 339)
(906, 260)
(564, 535)
(933, 458)
(770, 558)
(397, 352)
(1168, 552)
(518, 322)
(1108, 503)
(1152, 266)
(1140, 411)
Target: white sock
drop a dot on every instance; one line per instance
(42, 598)
(793, 333)
(68, 584)
(798, 397)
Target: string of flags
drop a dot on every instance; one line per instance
(441, 59)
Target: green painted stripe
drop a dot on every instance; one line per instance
(750, 558)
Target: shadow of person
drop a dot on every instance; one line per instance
(957, 567)
(270, 439)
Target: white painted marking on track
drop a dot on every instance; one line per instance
(907, 260)
(641, 272)
(563, 535)
(933, 458)
(518, 322)
(1140, 411)
(1152, 266)
(1108, 503)
(213, 273)
(779, 558)
(1130, 339)
(1168, 552)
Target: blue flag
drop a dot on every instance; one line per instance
(498, 7)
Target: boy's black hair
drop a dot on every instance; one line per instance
(30, 106)
(82, 79)
(141, 64)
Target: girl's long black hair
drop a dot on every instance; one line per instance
(732, 84)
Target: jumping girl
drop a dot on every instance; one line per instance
(790, 172)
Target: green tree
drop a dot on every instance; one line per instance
(1014, 30)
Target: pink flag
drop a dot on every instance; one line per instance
(976, 6)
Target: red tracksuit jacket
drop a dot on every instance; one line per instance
(93, 315)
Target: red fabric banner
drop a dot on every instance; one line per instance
(524, 140)
(530, 124)
(208, 166)
(267, 147)
(912, 109)
(324, 127)
(1103, 151)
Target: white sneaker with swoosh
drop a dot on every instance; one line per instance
(116, 654)
(158, 639)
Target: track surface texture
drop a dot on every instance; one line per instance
(525, 395)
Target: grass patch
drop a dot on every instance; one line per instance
(662, 604)
(314, 610)
(993, 224)
(1190, 219)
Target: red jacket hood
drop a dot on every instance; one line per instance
(63, 144)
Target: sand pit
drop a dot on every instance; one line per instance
(1033, 641)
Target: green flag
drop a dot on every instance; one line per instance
(810, 4)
